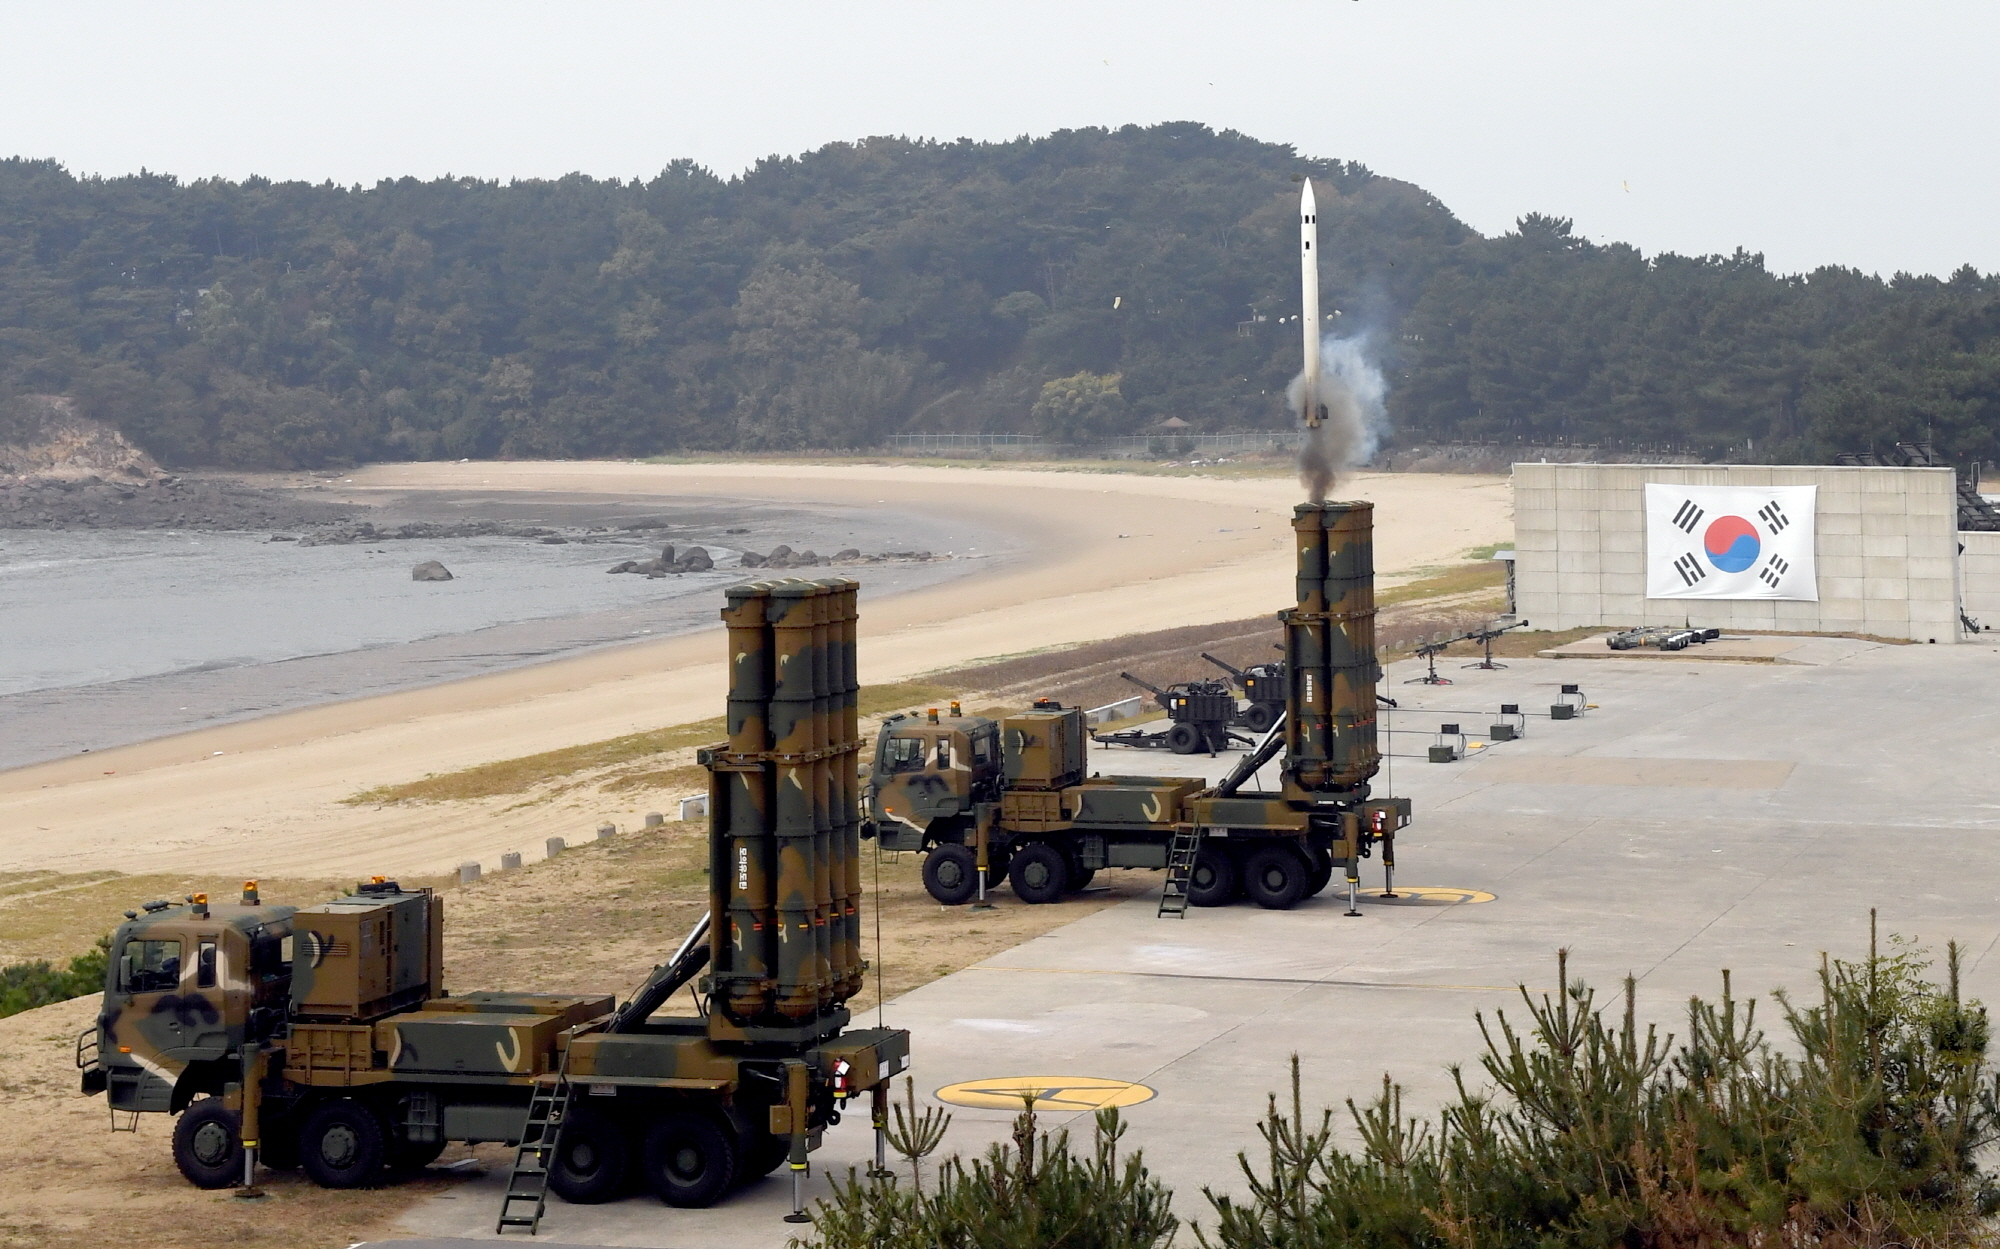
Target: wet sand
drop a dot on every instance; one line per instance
(1092, 556)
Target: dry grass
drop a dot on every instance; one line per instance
(519, 776)
(56, 916)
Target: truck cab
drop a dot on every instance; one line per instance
(930, 775)
(185, 987)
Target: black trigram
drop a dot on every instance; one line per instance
(1775, 568)
(1774, 516)
(1688, 516)
(1689, 567)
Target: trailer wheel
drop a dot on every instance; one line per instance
(1184, 739)
(593, 1160)
(1039, 873)
(951, 873)
(208, 1147)
(1322, 873)
(1276, 876)
(1213, 881)
(343, 1145)
(1258, 717)
(690, 1160)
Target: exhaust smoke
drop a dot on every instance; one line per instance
(1351, 390)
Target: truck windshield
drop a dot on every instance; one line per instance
(151, 966)
(906, 753)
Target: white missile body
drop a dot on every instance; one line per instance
(1310, 406)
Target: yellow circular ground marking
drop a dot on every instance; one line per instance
(1428, 895)
(1050, 1093)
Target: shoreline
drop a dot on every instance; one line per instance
(1102, 555)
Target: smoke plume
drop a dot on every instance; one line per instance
(1351, 389)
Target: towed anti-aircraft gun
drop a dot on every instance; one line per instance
(1263, 685)
(1016, 795)
(1661, 637)
(323, 1038)
(1200, 713)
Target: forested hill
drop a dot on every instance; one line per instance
(1088, 283)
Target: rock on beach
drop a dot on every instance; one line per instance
(430, 570)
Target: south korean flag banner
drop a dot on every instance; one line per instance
(1730, 542)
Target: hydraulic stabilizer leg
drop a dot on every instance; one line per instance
(795, 1097)
(1388, 826)
(1350, 831)
(878, 1111)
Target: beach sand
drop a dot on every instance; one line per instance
(1101, 555)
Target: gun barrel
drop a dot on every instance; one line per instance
(1229, 668)
(1144, 685)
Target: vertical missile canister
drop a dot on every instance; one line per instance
(744, 933)
(1330, 654)
(784, 825)
(1310, 407)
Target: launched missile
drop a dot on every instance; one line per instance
(1310, 406)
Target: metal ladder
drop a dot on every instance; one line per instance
(536, 1154)
(1180, 869)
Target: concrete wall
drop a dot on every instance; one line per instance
(1979, 577)
(1885, 545)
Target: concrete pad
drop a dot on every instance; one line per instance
(1884, 796)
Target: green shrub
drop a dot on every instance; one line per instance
(1036, 1195)
(1867, 1130)
(24, 986)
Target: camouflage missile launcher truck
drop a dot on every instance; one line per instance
(1017, 790)
(322, 1037)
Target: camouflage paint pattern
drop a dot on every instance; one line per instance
(1330, 741)
(783, 816)
(223, 984)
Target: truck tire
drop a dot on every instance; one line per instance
(1213, 881)
(208, 1145)
(1322, 876)
(1258, 717)
(593, 1160)
(690, 1159)
(1039, 873)
(1184, 739)
(1275, 876)
(951, 874)
(343, 1145)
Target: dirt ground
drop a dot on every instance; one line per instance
(594, 919)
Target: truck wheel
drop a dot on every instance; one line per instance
(593, 1160)
(343, 1145)
(1259, 717)
(690, 1160)
(951, 873)
(207, 1146)
(1039, 873)
(1213, 880)
(1080, 878)
(1322, 874)
(1184, 739)
(1276, 876)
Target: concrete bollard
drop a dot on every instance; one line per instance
(654, 819)
(555, 847)
(467, 873)
(510, 860)
(605, 831)
(694, 808)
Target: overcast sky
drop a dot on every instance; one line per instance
(1856, 133)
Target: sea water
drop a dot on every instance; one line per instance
(114, 636)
